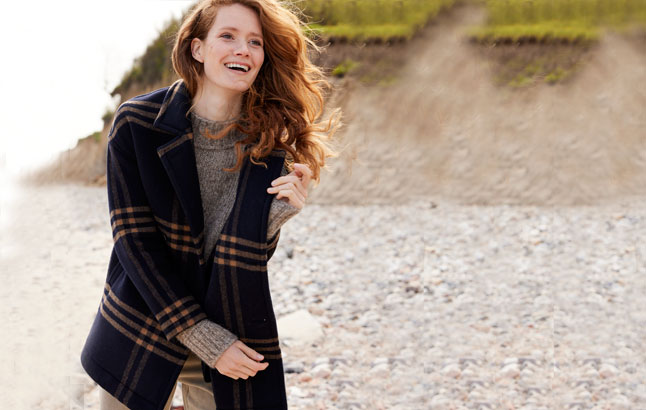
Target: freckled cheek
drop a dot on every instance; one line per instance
(216, 52)
(260, 59)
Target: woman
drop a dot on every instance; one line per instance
(199, 184)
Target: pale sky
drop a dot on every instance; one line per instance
(60, 60)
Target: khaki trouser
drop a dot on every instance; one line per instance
(197, 394)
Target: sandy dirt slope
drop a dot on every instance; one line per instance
(444, 129)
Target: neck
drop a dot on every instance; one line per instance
(216, 104)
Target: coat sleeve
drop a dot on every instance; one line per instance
(139, 244)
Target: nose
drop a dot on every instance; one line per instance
(242, 48)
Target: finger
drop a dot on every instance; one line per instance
(250, 371)
(247, 371)
(250, 353)
(302, 189)
(247, 364)
(292, 188)
(296, 187)
(303, 178)
(305, 171)
(293, 178)
(242, 375)
(304, 168)
(293, 198)
(236, 368)
(295, 184)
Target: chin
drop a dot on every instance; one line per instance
(242, 89)
(239, 87)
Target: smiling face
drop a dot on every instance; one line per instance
(232, 52)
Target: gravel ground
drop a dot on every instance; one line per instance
(429, 305)
(468, 307)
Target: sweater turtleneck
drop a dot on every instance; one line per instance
(202, 127)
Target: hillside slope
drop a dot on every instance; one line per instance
(445, 130)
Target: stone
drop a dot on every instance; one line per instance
(380, 371)
(299, 328)
(321, 371)
(607, 370)
(510, 371)
(452, 370)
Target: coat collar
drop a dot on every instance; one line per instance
(178, 157)
(172, 116)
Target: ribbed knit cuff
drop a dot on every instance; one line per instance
(279, 213)
(207, 340)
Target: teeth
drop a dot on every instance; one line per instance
(233, 65)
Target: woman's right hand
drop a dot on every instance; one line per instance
(240, 361)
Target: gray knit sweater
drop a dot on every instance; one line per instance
(207, 339)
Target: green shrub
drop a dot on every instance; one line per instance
(344, 68)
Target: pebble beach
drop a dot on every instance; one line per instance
(423, 305)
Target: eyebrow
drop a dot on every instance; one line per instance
(235, 29)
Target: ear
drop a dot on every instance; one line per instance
(196, 50)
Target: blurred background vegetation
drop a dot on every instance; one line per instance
(373, 22)
(370, 20)
(557, 20)
(521, 43)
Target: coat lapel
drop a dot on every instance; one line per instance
(178, 155)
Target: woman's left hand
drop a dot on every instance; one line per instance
(293, 186)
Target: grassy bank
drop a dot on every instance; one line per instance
(370, 20)
(556, 21)
(387, 21)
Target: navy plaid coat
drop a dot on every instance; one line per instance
(159, 281)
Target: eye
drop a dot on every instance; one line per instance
(256, 43)
(226, 35)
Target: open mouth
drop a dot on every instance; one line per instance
(238, 67)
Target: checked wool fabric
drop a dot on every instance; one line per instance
(159, 281)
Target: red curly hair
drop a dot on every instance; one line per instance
(283, 107)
